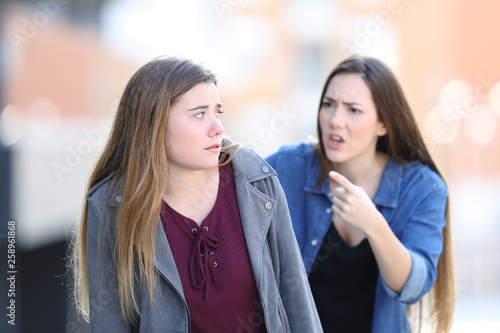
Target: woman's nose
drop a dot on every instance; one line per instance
(338, 118)
(217, 128)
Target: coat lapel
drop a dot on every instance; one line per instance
(165, 262)
(256, 208)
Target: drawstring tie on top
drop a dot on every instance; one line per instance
(204, 245)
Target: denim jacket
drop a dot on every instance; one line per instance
(279, 274)
(412, 198)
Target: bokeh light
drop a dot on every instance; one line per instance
(494, 98)
(45, 118)
(12, 125)
(442, 124)
(480, 127)
(458, 96)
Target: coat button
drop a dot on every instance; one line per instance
(118, 199)
(268, 205)
(328, 210)
(265, 169)
(314, 242)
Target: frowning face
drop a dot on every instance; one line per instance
(348, 120)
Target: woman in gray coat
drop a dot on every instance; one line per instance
(182, 230)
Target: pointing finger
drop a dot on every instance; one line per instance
(341, 180)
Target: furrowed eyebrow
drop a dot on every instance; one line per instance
(204, 107)
(199, 107)
(352, 103)
(344, 102)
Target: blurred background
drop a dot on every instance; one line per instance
(65, 63)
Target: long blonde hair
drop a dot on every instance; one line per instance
(404, 143)
(135, 153)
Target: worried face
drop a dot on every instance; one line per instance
(194, 131)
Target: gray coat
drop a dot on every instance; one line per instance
(275, 258)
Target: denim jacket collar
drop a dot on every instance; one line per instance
(388, 192)
(312, 179)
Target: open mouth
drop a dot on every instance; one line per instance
(336, 139)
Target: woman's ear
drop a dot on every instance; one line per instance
(382, 129)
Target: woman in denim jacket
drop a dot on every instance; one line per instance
(369, 208)
(183, 231)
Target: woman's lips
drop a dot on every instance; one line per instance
(335, 141)
(214, 148)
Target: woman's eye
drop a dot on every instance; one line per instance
(353, 110)
(199, 115)
(219, 113)
(327, 104)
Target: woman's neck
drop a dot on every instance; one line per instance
(183, 183)
(366, 172)
(192, 193)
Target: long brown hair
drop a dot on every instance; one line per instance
(135, 153)
(404, 143)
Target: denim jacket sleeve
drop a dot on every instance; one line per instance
(422, 235)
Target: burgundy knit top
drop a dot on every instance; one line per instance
(213, 264)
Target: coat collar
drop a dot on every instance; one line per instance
(113, 193)
(165, 262)
(256, 194)
(249, 164)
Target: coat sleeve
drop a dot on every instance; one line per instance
(293, 283)
(105, 314)
(423, 237)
